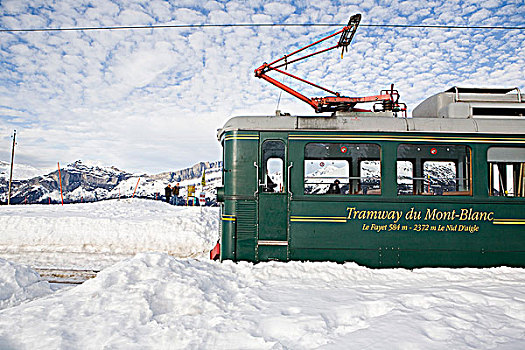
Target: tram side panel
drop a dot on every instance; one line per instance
(391, 230)
(392, 234)
(239, 217)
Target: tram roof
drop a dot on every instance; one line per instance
(374, 124)
(457, 110)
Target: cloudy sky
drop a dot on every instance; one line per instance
(152, 99)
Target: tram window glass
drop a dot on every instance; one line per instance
(405, 177)
(433, 170)
(320, 174)
(337, 168)
(439, 177)
(370, 177)
(274, 176)
(506, 171)
(273, 166)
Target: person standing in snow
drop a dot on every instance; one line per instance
(176, 191)
(167, 192)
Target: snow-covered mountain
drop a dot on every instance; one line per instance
(87, 182)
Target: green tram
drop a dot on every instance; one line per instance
(443, 188)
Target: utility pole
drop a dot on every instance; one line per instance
(11, 174)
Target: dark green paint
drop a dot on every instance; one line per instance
(491, 245)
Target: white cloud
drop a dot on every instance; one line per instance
(153, 99)
(278, 10)
(480, 16)
(188, 16)
(213, 5)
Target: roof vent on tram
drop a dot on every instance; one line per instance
(462, 103)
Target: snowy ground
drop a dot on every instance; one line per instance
(97, 235)
(184, 301)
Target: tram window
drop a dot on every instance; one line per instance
(405, 177)
(274, 176)
(369, 177)
(433, 170)
(273, 166)
(506, 171)
(342, 168)
(439, 177)
(320, 175)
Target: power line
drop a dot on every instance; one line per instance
(440, 26)
(190, 26)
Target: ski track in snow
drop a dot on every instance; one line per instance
(181, 300)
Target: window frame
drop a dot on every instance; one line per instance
(354, 174)
(266, 155)
(468, 177)
(518, 172)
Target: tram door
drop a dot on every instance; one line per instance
(272, 240)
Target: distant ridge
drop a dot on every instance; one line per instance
(84, 182)
(189, 173)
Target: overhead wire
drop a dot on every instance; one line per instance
(190, 26)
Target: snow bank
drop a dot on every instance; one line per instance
(96, 235)
(155, 301)
(19, 283)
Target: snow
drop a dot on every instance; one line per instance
(182, 300)
(19, 283)
(96, 235)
